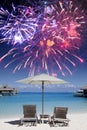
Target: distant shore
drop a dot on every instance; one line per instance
(78, 121)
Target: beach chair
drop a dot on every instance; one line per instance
(30, 117)
(59, 117)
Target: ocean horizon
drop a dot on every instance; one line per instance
(12, 106)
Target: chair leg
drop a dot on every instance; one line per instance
(51, 123)
(21, 122)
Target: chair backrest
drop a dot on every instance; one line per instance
(29, 110)
(60, 112)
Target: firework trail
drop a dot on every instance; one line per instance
(55, 43)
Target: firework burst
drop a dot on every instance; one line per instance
(61, 35)
(19, 25)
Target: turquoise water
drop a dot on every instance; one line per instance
(12, 106)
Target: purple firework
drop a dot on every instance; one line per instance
(19, 25)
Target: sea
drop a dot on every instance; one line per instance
(12, 106)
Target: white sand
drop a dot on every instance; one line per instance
(78, 121)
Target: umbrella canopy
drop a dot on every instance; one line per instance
(42, 79)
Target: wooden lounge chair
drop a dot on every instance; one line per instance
(59, 117)
(30, 116)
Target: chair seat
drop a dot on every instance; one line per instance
(29, 119)
(59, 117)
(29, 115)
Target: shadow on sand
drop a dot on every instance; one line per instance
(14, 122)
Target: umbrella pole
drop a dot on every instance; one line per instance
(42, 97)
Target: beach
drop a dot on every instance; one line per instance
(78, 121)
(11, 110)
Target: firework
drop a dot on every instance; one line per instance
(19, 25)
(55, 43)
(61, 38)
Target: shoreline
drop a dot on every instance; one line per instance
(38, 114)
(77, 122)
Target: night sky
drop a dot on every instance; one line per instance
(78, 78)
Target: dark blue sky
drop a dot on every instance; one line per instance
(79, 73)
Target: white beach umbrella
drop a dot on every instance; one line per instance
(42, 79)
